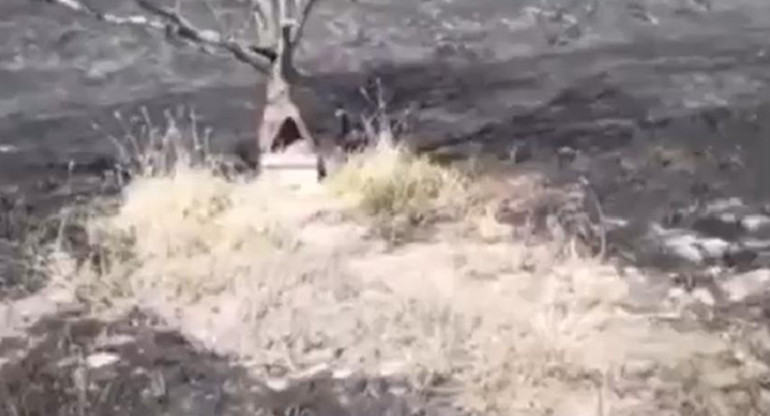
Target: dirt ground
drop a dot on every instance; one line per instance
(666, 122)
(160, 373)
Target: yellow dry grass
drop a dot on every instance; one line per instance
(390, 182)
(283, 278)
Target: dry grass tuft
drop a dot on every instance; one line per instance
(400, 190)
(391, 182)
(188, 233)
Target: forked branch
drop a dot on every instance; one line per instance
(271, 16)
(307, 10)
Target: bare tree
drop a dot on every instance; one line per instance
(279, 28)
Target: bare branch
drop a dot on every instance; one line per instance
(259, 58)
(306, 12)
(266, 18)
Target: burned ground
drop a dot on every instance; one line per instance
(665, 122)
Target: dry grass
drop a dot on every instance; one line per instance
(397, 188)
(288, 282)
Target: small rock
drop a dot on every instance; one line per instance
(8, 148)
(277, 384)
(67, 362)
(756, 223)
(713, 247)
(695, 250)
(684, 248)
(101, 359)
(755, 244)
(114, 341)
(739, 287)
(342, 373)
(725, 204)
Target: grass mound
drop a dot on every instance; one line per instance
(286, 281)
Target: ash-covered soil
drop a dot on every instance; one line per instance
(68, 364)
(666, 119)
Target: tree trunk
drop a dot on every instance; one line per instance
(283, 126)
(282, 123)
